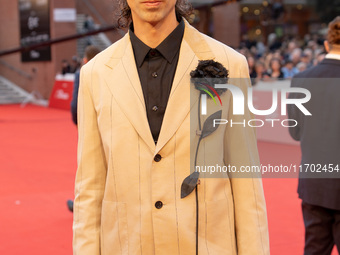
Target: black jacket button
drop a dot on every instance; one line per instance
(157, 158)
(159, 204)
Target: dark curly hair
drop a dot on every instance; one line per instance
(333, 36)
(183, 9)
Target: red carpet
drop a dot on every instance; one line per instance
(38, 164)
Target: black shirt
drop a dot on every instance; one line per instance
(156, 70)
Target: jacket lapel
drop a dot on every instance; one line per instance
(124, 84)
(193, 48)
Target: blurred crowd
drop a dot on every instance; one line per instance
(281, 59)
(73, 67)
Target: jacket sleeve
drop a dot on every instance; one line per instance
(91, 173)
(249, 202)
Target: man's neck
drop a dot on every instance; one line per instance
(335, 52)
(334, 49)
(153, 34)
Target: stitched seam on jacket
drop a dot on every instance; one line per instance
(140, 200)
(258, 218)
(179, 252)
(114, 179)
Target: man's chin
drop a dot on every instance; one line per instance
(153, 19)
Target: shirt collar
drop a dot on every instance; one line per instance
(333, 56)
(168, 47)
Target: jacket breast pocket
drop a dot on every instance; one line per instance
(114, 228)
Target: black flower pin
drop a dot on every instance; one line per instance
(204, 77)
(207, 74)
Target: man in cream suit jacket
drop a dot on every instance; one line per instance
(129, 177)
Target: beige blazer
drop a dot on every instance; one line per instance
(118, 181)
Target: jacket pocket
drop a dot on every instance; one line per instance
(114, 229)
(220, 231)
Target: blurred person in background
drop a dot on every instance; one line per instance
(251, 65)
(307, 57)
(89, 26)
(266, 59)
(319, 136)
(273, 42)
(291, 46)
(289, 70)
(260, 73)
(88, 23)
(260, 70)
(76, 63)
(302, 66)
(65, 67)
(277, 54)
(275, 69)
(295, 56)
(260, 48)
(90, 52)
